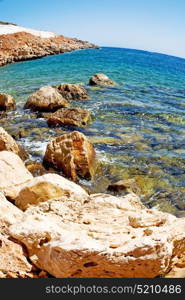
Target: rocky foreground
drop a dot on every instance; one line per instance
(50, 226)
(32, 44)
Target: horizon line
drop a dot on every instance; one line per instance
(144, 50)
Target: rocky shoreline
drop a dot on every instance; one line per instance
(50, 226)
(21, 46)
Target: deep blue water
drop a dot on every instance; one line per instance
(139, 125)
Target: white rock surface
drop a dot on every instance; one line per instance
(8, 29)
(13, 174)
(105, 237)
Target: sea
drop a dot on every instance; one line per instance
(138, 126)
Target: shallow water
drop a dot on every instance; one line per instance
(138, 127)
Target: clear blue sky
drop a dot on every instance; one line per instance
(155, 25)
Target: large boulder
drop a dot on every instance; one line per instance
(46, 99)
(73, 154)
(49, 186)
(73, 91)
(104, 237)
(69, 116)
(7, 143)
(101, 80)
(7, 102)
(13, 174)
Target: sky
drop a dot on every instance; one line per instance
(153, 25)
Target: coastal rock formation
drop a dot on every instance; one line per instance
(13, 174)
(7, 143)
(73, 154)
(7, 102)
(49, 186)
(46, 99)
(73, 91)
(70, 116)
(102, 80)
(21, 46)
(104, 237)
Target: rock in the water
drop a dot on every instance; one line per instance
(102, 80)
(46, 99)
(124, 186)
(106, 237)
(69, 116)
(7, 102)
(73, 154)
(73, 91)
(13, 174)
(49, 186)
(7, 143)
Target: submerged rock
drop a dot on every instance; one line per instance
(73, 154)
(106, 236)
(46, 99)
(49, 186)
(7, 102)
(7, 143)
(124, 186)
(73, 91)
(69, 116)
(102, 80)
(13, 174)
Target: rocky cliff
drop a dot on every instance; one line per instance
(18, 44)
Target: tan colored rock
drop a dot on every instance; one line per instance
(178, 270)
(7, 102)
(9, 214)
(13, 174)
(69, 116)
(73, 91)
(12, 258)
(73, 154)
(46, 99)
(102, 80)
(49, 186)
(7, 143)
(106, 237)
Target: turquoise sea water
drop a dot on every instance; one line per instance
(138, 127)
